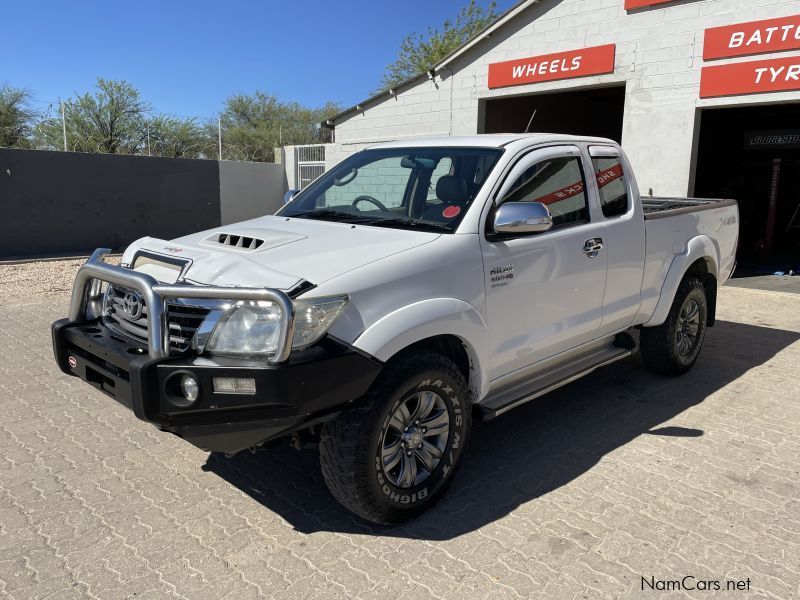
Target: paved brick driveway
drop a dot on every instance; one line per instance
(618, 476)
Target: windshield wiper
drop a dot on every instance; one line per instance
(336, 215)
(330, 214)
(411, 223)
(322, 213)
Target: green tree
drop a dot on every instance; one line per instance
(254, 124)
(15, 117)
(113, 120)
(174, 137)
(421, 52)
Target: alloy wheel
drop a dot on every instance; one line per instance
(415, 439)
(688, 327)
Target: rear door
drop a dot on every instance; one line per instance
(624, 241)
(544, 292)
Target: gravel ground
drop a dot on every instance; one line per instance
(23, 282)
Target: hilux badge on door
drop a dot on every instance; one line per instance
(499, 275)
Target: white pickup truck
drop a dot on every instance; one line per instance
(414, 287)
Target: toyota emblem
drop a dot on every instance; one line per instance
(132, 305)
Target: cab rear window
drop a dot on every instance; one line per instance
(612, 185)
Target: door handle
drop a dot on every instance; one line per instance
(592, 247)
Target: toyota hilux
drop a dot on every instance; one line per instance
(413, 288)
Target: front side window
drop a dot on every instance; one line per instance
(557, 183)
(612, 185)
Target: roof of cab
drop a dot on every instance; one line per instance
(487, 140)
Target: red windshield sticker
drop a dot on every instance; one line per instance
(451, 211)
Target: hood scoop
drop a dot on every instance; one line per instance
(250, 241)
(242, 242)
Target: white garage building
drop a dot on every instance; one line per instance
(703, 94)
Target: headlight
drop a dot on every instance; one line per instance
(252, 328)
(313, 317)
(248, 328)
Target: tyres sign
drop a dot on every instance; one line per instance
(752, 77)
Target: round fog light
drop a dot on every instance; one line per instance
(190, 388)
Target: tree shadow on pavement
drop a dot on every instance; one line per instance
(526, 453)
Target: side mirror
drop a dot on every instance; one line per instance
(522, 218)
(287, 197)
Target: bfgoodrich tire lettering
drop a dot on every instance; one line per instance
(673, 347)
(353, 447)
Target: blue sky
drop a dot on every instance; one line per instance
(187, 57)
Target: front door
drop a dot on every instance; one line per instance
(544, 292)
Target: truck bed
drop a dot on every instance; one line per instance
(658, 208)
(670, 225)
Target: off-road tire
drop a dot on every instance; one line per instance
(350, 445)
(660, 345)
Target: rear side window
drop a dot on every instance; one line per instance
(558, 183)
(612, 185)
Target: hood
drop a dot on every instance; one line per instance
(278, 252)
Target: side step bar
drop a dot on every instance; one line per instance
(549, 381)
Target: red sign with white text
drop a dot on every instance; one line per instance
(629, 4)
(752, 77)
(757, 37)
(562, 194)
(549, 67)
(608, 175)
(603, 179)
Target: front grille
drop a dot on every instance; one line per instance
(183, 320)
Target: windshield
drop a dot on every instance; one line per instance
(406, 188)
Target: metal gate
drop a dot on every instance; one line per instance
(310, 163)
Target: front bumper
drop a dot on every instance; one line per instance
(309, 387)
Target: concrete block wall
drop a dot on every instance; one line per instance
(421, 110)
(383, 180)
(659, 57)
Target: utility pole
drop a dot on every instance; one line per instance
(148, 139)
(64, 125)
(219, 136)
